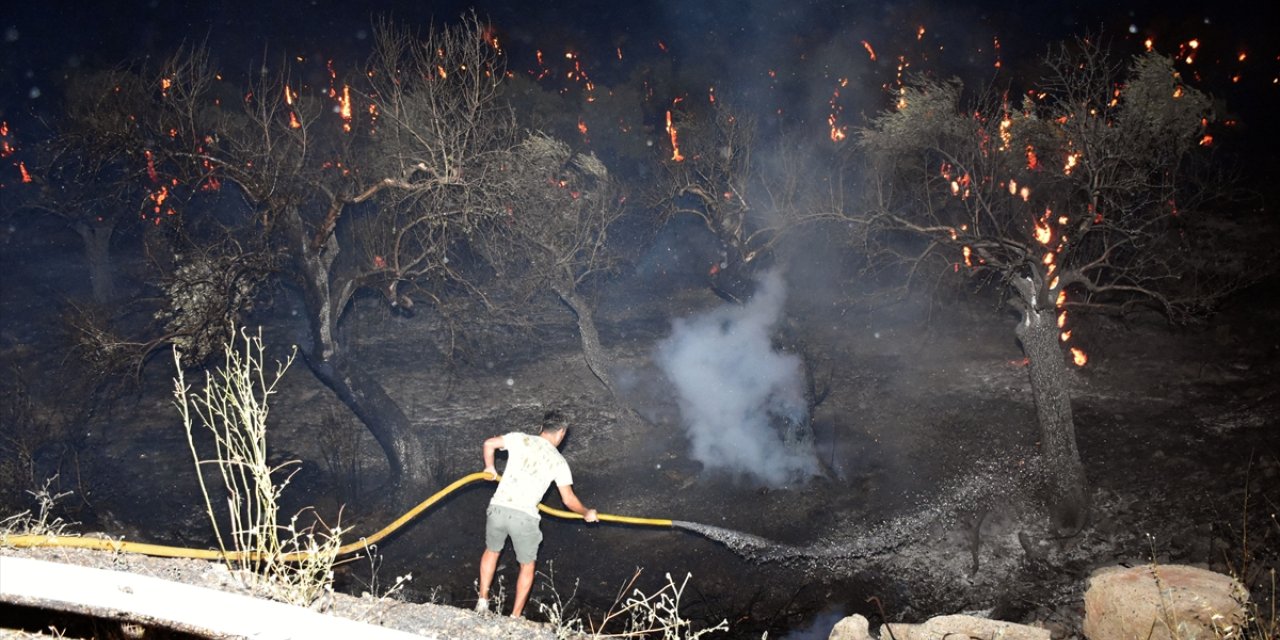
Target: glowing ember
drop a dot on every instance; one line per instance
(837, 132)
(1080, 358)
(1073, 159)
(1064, 336)
(968, 253)
(1032, 162)
(151, 166)
(294, 123)
(1043, 235)
(26, 177)
(675, 139)
(870, 51)
(344, 105)
(1013, 187)
(1062, 319)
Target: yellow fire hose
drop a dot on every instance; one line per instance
(104, 544)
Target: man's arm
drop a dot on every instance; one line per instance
(570, 500)
(491, 447)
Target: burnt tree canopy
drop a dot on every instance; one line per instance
(1079, 195)
(710, 174)
(388, 176)
(553, 237)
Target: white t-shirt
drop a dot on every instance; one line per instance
(532, 465)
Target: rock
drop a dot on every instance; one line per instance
(854, 627)
(961, 626)
(1161, 602)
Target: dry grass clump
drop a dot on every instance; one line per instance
(633, 614)
(291, 562)
(40, 521)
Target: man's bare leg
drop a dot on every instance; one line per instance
(524, 584)
(488, 566)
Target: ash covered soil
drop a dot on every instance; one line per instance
(928, 440)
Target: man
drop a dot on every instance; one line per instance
(533, 463)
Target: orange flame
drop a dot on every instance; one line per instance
(1080, 358)
(151, 166)
(345, 104)
(1073, 159)
(837, 132)
(582, 126)
(1043, 234)
(675, 140)
(871, 52)
(26, 177)
(968, 253)
(1062, 319)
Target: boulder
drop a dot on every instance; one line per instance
(962, 626)
(1161, 602)
(854, 627)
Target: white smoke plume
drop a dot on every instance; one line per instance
(734, 388)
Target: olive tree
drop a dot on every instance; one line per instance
(382, 181)
(1081, 197)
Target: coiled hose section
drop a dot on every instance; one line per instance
(118, 546)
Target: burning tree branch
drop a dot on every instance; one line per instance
(1073, 199)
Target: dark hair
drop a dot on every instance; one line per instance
(553, 420)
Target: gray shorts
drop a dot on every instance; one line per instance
(504, 522)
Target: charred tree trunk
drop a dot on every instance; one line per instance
(97, 249)
(1064, 473)
(409, 462)
(592, 350)
(731, 278)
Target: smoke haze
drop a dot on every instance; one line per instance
(733, 387)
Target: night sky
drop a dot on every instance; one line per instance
(735, 42)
